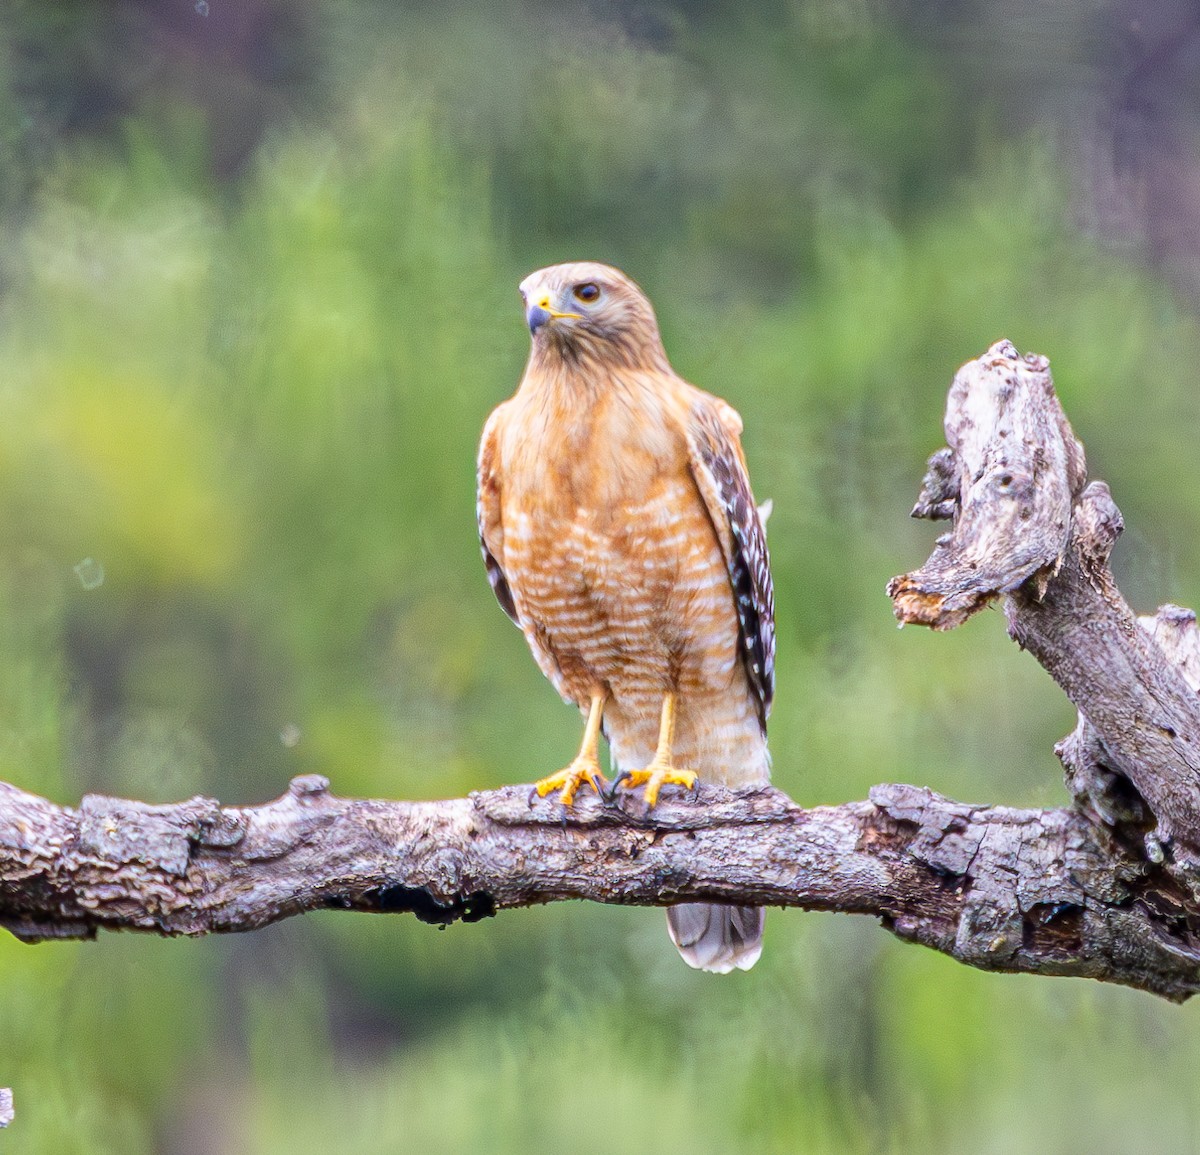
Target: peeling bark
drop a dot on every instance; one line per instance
(997, 888)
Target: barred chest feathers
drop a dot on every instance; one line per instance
(620, 582)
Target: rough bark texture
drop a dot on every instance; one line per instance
(1105, 889)
(1008, 479)
(1026, 527)
(1001, 889)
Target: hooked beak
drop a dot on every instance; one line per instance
(539, 313)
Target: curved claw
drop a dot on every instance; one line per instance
(614, 785)
(655, 777)
(568, 781)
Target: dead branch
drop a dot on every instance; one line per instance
(1105, 889)
(1026, 527)
(1001, 889)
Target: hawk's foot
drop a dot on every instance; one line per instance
(568, 780)
(654, 778)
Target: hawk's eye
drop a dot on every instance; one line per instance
(588, 292)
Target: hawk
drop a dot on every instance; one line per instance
(620, 533)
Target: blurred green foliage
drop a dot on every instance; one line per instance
(249, 335)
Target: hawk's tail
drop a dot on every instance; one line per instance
(714, 937)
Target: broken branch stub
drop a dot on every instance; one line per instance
(1009, 477)
(1025, 527)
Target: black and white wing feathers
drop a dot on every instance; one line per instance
(719, 468)
(487, 515)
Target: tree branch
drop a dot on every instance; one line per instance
(1000, 889)
(1106, 889)
(1026, 527)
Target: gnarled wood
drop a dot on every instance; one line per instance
(1008, 479)
(997, 888)
(1026, 527)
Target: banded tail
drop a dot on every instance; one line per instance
(716, 937)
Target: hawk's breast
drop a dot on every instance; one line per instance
(621, 586)
(634, 598)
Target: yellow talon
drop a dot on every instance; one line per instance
(656, 776)
(660, 772)
(585, 768)
(568, 780)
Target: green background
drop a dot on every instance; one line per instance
(257, 296)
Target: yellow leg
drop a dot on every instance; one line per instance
(660, 772)
(586, 767)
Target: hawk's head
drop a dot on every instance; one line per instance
(586, 310)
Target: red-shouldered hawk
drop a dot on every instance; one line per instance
(620, 534)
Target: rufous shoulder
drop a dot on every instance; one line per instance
(694, 397)
(492, 428)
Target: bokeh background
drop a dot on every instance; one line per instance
(257, 295)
